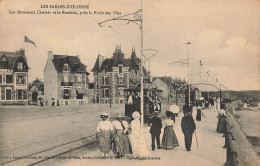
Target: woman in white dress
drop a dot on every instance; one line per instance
(104, 134)
(137, 139)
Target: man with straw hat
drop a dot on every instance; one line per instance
(121, 144)
(156, 124)
(104, 134)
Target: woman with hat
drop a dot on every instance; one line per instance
(221, 119)
(169, 140)
(137, 140)
(104, 134)
(199, 110)
(121, 141)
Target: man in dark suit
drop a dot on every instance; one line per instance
(156, 124)
(188, 127)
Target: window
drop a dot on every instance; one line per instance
(20, 66)
(66, 67)
(20, 80)
(120, 92)
(120, 81)
(66, 94)
(120, 69)
(8, 93)
(0, 78)
(106, 92)
(105, 80)
(9, 78)
(3, 64)
(79, 78)
(66, 78)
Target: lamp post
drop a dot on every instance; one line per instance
(188, 43)
(110, 94)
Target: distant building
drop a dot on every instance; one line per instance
(13, 78)
(91, 94)
(65, 80)
(164, 84)
(35, 91)
(113, 75)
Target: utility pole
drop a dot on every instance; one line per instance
(142, 76)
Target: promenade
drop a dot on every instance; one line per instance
(209, 152)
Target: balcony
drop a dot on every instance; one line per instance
(66, 83)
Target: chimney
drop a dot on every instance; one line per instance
(100, 60)
(50, 55)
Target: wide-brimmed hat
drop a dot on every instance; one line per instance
(136, 114)
(105, 114)
(120, 115)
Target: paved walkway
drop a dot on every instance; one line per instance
(209, 152)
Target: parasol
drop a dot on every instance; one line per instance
(174, 109)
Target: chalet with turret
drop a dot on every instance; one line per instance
(113, 75)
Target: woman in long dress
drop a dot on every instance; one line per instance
(221, 119)
(199, 110)
(104, 134)
(121, 143)
(169, 140)
(137, 139)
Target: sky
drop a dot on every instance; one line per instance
(224, 36)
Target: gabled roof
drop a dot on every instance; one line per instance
(166, 80)
(73, 61)
(117, 59)
(39, 84)
(13, 57)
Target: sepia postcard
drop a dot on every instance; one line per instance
(132, 82)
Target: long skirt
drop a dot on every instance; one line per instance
(139, 146)
(104, 139)
(169, 140)
(221, 124)
(121, 144)
(198, 116)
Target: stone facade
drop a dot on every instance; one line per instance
(65, 80)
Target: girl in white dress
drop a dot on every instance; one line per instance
(138, 143)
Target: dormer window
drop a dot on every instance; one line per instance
(77, 66)
(120, 69)
(3, 64)
(66, 78)
(66, 67)
(20, 66)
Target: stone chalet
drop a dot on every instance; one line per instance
(113, 75)
(65, 80)
(13, 78)
(35, 91)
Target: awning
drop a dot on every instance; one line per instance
(81, 90)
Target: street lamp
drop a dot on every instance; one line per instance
(138, 20)
(188, 43)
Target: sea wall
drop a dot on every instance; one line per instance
(238, 142)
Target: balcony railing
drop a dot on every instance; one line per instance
(66, 83)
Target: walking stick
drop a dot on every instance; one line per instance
(196, 140)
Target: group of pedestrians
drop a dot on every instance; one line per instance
(115, 135)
